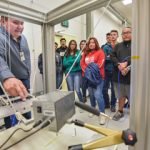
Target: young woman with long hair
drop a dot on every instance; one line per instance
(93, 54)
(74, 77)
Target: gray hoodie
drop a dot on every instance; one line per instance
(11, 64)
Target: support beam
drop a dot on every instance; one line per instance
(89, 24)
(49, 58)
(71, 9)
(118, 15)
(140, 77)
(74, 8)
(23, 12)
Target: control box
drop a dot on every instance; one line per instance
(58, 105)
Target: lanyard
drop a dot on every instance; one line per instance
(21, 53)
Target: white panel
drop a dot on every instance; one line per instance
(41, 5)
(105, 23)
(124, 10)
(77, 28)
(33, 35)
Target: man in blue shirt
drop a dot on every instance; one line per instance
(15, 64)
(108, 75)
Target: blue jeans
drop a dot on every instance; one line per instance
(96, 94)
(84, 86)
(107, 83)
(74, 82)
(11, 120)
(59, 78)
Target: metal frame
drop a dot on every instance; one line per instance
(66, 11)
(49, 58)
(74, 8)
(18, 11)
(118, 15)
(69, 10)
(140, 81)
(89, 24)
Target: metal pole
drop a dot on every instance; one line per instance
(140, 78)
(49, 58)
(89, 24)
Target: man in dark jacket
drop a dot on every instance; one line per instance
(59, 72)
(121, 57)
(40, 63)
(62, 50)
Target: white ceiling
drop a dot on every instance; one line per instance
(124, 10)
(40, 5)
(48, 5)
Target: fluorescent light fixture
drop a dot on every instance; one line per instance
(126, 2)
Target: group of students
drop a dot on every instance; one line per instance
(87, 67)
(117, 71)
(97, 69)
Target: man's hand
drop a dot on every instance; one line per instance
(123, 65)
(124, 71)
(15, 87)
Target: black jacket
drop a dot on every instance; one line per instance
(58, 63)
(61, 51)
(92, 75)
(121, 53)
(40, 63)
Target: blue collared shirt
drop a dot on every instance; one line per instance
(108, 62)
(11, 64)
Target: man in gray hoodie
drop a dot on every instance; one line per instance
(15, 64)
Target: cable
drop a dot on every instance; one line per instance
(39, 124)
(42, 28)
(13, 134)
(3, 101)
(8, 97)
(35, 64)
(17, 115)
(127, 106)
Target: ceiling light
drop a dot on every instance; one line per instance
(126, 2)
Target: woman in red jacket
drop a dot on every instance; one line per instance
(94, 54)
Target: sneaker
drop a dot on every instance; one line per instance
(107, 106)
(118, 115)
(84, 99)
(102, 120)
(113, 109)
(91, 115)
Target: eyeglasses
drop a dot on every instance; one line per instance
(123, 33)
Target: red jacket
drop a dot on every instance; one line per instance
(97, 57)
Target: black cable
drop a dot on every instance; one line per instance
(37, 123)
(41, 127)
(13, 134)
(21, 139)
